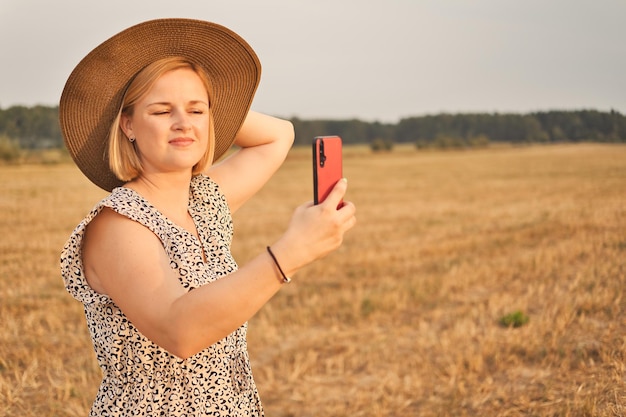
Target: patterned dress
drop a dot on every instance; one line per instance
(139, 377)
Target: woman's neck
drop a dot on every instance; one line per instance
(168, 193)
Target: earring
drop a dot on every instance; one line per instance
(131, 139)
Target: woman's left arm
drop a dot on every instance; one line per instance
(264, 142)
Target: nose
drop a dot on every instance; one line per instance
(181, 121)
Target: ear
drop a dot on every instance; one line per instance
(126, 125)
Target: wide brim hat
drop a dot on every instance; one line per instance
(93, 93)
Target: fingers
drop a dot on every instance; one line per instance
(336, 195)
(316, 230)
(348, 210)
(348, 218)
(344, 209)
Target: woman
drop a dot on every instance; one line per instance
(166, 305)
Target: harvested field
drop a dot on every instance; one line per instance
(403, 320)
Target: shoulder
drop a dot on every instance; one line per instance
(205, 190)
(108, 222)
(112, 242)
(207, 183)
(110, 228)
(203, 182)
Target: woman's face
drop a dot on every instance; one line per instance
(171, 123)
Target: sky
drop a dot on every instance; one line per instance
(374, 60)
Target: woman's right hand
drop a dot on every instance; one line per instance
(315, 230)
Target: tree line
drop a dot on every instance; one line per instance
(479, 128)
(37, 127)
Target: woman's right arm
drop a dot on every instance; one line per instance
(126, 261)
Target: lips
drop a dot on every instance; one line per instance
(181, 141)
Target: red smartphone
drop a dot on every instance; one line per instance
(327, 166)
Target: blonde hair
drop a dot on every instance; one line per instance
(124, 160)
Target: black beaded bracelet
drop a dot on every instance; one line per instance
(286, 279)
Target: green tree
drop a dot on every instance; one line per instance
(379, 145)
(9, 149)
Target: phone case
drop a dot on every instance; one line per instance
(327, 166)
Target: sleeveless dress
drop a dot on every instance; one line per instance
(139, 377)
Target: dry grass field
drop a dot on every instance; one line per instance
(403, 320)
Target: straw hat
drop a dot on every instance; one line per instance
(93, 92)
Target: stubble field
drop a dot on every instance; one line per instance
(403, 320)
